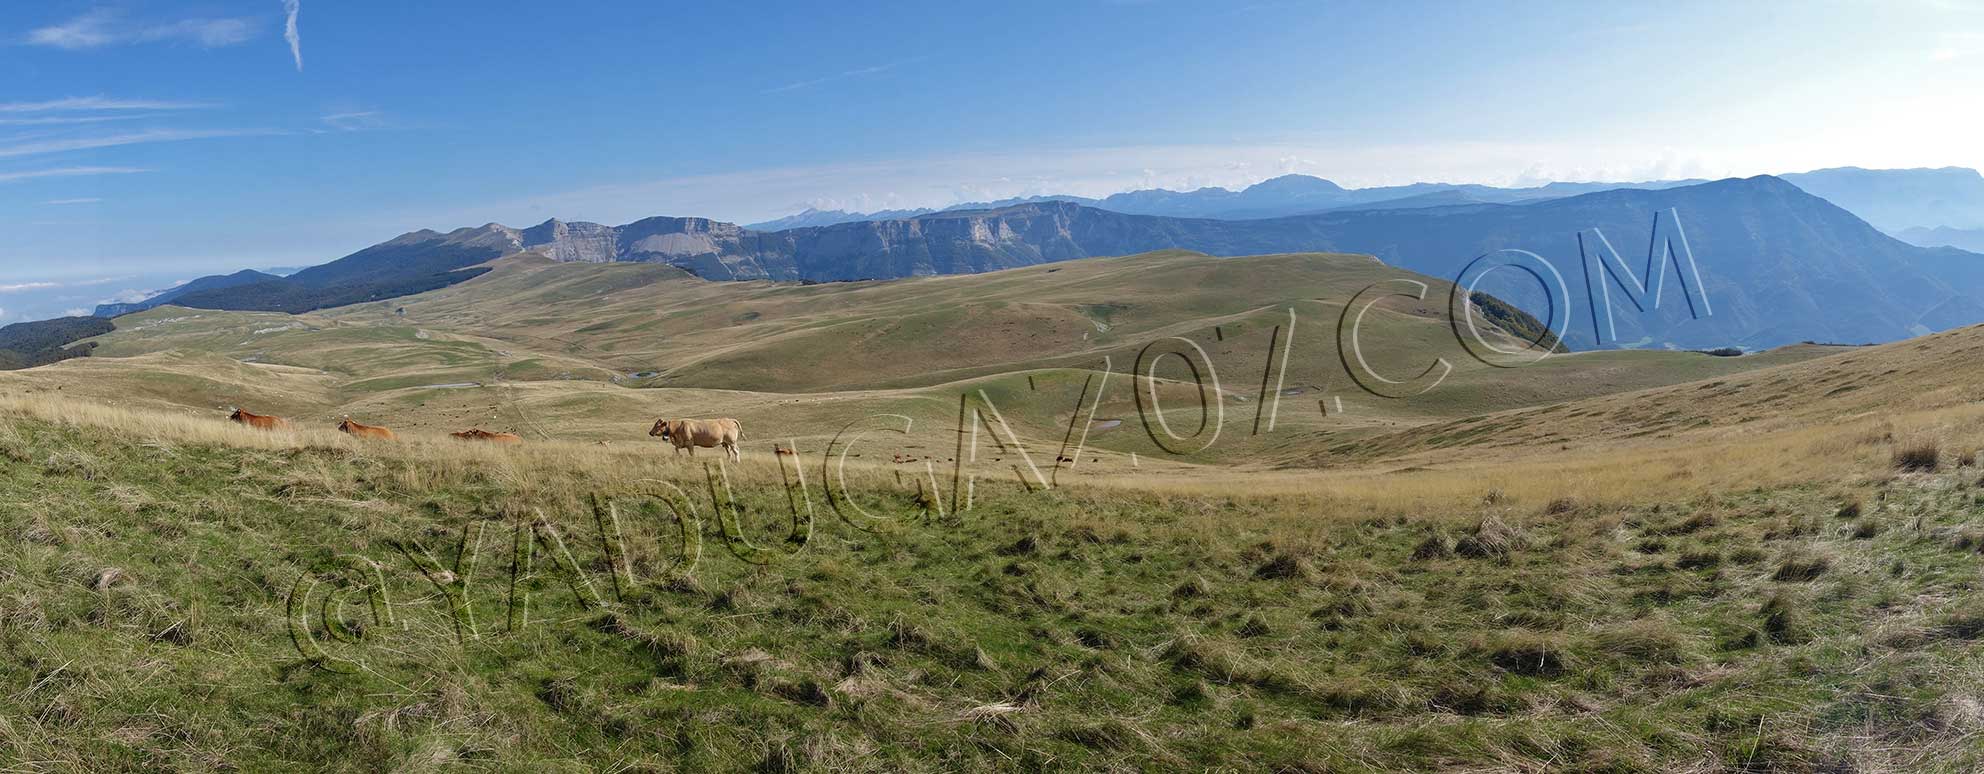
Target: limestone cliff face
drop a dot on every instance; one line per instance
(935, 243)
(571, 242)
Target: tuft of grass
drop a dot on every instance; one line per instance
(1963, 625)
(1490, 538)
(1698, 559)
(1193, 588)
(1286, 566)
(1645, 642)
(1524, 652)
(1801, 568)
(1435, 546)
(1782, 621)
(1919, 457)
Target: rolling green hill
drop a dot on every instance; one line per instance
(595, 351)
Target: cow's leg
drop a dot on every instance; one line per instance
(732, 449)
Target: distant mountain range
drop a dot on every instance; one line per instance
(1971, 239)
(1273, 198)
(1779, 264)
(1900, 199)
(1893, 200)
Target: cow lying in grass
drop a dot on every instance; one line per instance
(476, 434)
(357, 430)
(258, 421)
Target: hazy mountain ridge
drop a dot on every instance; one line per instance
(1900, 199)
(1891, 199)
(1971, 239)
(1779, 264)
(243, 277)
(1272, 198)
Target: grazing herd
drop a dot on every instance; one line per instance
(684, 434)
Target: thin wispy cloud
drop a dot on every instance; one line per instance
(102, 27)
(71, 120)
(855, 73)
(7, 177)
(87, 31)
(65, 202)
(99, 103)
(211, 33)
(289, 32)
(354, 120)
(23, 287)
(39, 147)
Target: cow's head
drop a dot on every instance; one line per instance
(236, 416)
(344, 425)
(660, 429)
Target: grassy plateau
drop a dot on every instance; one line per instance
(1605, 562)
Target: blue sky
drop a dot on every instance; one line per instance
(144, 140)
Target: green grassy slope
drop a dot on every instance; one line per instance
(144, 614)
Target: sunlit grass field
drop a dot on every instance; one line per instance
(185, 593)
(1617, 561)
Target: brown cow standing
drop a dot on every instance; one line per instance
(357, 430)
(477, 434)
(707, 433)
(259, 421)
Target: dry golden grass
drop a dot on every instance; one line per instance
(1620, 473)
(1592, 474)
(434, 462)
(1518, 605)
